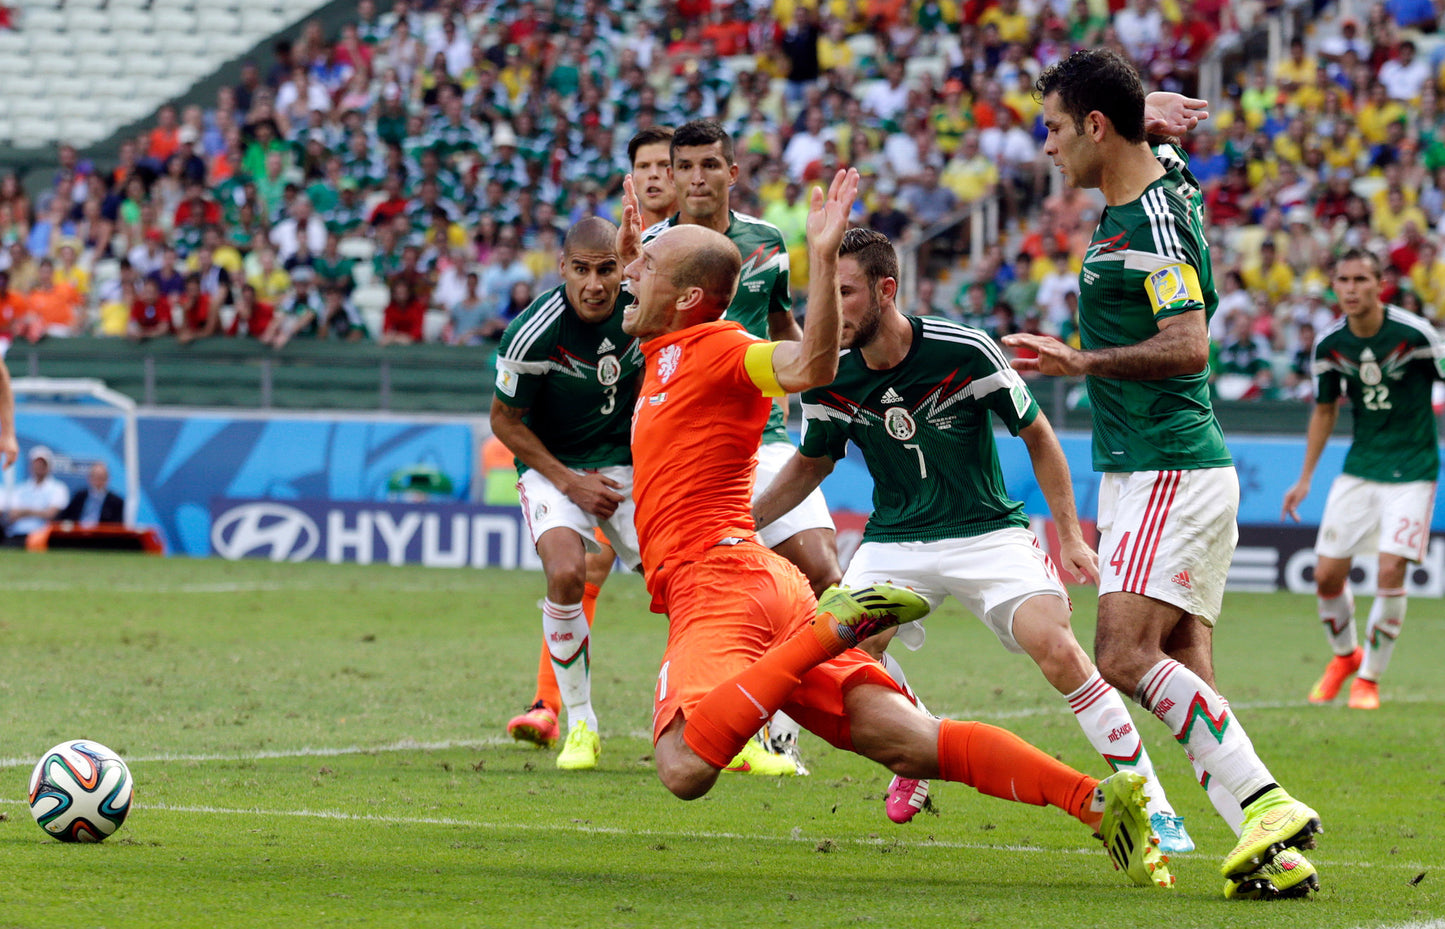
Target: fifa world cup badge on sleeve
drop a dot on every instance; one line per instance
(507, 381)
(1173, 284)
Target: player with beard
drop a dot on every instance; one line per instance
(746, 637)
(918, 396)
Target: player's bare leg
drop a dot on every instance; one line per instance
(1041, 627)
(1130, 645)
(565, 630)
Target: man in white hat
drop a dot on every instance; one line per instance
(34, 503)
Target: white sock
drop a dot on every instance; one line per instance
(565, 628)
(1338, 615)
(1387, 615)
(1225, 805)
(1106, 722)
(1202, 722)
(783, 727)
(895, 671)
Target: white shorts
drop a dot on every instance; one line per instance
(1169, 535)
(812, 513)
(990, 574)
(1363, 517)
(545, 507)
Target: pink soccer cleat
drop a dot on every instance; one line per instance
(906, 797)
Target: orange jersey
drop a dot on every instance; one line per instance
(705, 398)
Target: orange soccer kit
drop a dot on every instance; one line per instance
(742, 641)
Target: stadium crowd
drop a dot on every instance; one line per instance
(427, 160)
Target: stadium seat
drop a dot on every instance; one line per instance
(38, 20)
(432, 325)
(129, 21)
(43, 44)
(173, 21)
(144, 64)
(233, 45)
(69, 90)
(33, 133)
(37, 107)
(216, 22)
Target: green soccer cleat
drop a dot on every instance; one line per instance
(866, 611)
(1286, 876)
(756, 759)
(1127, 835)
(580, 751)
(1272, 823)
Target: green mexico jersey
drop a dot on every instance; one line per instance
(925, 433)
(1149, 260)
(763, 286)
(576, 381)
(1388, 378)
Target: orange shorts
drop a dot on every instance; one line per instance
(728, 608)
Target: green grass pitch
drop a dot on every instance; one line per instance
(321, 745)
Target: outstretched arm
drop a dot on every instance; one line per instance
(813, 360)
(629, 231)
(1180, 347)
(1172, 115)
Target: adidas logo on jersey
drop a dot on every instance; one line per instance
(890, 396)
(606, 346)
(1182, 579)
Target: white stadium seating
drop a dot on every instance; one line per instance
(77, 72)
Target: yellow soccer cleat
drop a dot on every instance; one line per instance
(1285, 876)
(1128, 837)
(756, 759)
(866, 611)
(1272, 823)
(580, 751)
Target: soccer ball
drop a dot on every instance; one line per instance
(80, 791)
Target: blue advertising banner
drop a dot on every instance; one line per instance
(1267, 468)
(186, 460)
(435, 535)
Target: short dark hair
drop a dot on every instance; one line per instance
(649, 136)
(1097, 79)
(590, 234)
(1358, 254)
(702, 132)
(873, 252)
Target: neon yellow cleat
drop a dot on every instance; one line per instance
(580, 751)
(1285, 876)
(1272, 823)
(1131, 843)
(867, 611)
(756, 759)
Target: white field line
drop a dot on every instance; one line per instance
(407, 745)
(796, 835)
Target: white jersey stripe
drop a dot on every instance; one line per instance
(531, 330)
(939, 330)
